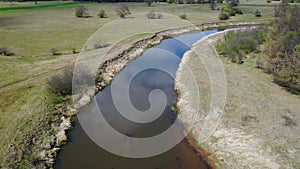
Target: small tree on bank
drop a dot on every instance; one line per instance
(81, 11)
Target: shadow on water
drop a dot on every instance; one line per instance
(82, 152)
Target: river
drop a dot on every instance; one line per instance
(82, 153)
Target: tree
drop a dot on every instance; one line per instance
(282, 48)
(123, 11)
(149, 2)
(213, 5)
(81, 11)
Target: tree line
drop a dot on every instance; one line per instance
(275, 45)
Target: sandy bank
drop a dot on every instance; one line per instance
(252, 131)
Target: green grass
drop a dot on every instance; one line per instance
(54, 25)
(25, 6)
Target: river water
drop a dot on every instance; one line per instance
(82, 153)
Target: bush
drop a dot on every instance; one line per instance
(123, 11)
(223, 16)
(233, 4)
(81, 11)
(220, 1)
(231, 13)
(257, 13)
(102, 14)
(5, 51)
(74, 50)
(183, 16)
(149, 2)
(230, 10)
(237, 44)
(238, 11)
(61, 84)
(54, 51)
(282, 47)
(153, 15)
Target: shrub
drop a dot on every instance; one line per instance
(257, 13)
(238, 11)
(74, 50)
(237, 44)
(232, 4)
(225, 10)
(183, 16)
(102, 14)
(123, 11)
(153, 15)
(54, 51)
(223, 16)
(5, 51)
(232, 13)
(282, 47)
(149, 2)
(230, 10)
(220, 1)
(81, 11)
(61, 84)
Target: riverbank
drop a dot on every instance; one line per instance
(254, 131)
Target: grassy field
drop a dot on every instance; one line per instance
(30, 32)
(35, 32)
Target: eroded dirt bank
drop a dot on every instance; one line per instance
(254, 131)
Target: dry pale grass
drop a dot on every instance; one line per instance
(260, 122)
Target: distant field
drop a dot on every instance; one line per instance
(30, 30)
